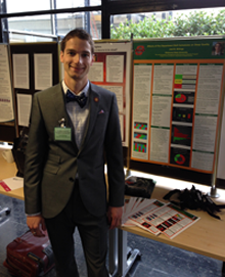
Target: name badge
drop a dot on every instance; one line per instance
(62, 134)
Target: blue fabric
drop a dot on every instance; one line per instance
(81, 99)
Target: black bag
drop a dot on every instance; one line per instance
(139, 187)
(193, 199)
(18, 151)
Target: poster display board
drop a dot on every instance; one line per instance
(6, 96)
(177, 92)
(35, 67)
(111, 70)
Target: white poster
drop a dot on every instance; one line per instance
(42, 71)
(21, 71)
(24, 102)
(6, 101)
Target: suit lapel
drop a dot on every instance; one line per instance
(94, 99)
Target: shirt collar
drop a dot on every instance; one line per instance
(85, 89)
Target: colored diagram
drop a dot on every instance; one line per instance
(140, 147)
(140, 126)
(180, 156)
(140, 136)
(180, 98)
(183, 97)
(184, 81)
(181, 135)
(178, 81)
(182, 114)
(179, 159)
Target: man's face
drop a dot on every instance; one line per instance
(217, 48)
(77, 59)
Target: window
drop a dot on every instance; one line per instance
(169, 24)
(48, 27)
(90, 21)
(76, 3)
(15, 6)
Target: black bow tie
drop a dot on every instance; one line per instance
(81, 99)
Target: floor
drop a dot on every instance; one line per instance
(157, 259)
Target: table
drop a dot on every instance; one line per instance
(205, 237)
(8, 170)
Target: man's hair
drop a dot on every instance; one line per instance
(81, 34)
(218, 43)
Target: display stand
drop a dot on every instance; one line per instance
(121, 257)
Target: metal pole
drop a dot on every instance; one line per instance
(213, 192)
(4, 24)
(128, 171)
(53, 19)
(87, 17)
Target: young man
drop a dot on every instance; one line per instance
(64, 180)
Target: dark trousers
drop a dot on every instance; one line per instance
(93, 233)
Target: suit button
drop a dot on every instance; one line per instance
(71, 179)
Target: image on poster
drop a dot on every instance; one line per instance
(182, 114)
(139, 146)
(181, 135)
(182, 97)
(180, 156)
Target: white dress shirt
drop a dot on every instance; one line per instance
(77, 114)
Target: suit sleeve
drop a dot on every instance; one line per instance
(34, 160)
(114, 156)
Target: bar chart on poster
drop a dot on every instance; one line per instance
(177, 93)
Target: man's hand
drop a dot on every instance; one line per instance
(114, 216)
(36, 224)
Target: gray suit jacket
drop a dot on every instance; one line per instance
(51, 166)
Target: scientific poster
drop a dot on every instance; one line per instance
(177, 92)
(6, 100)
(111, 70)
